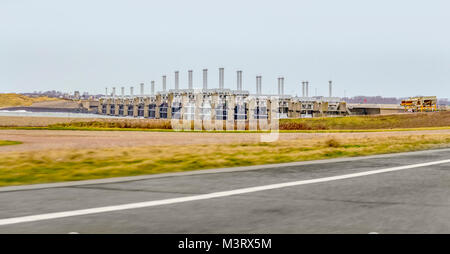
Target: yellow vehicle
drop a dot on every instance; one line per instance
(420, 104)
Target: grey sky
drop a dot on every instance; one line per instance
(384, 47)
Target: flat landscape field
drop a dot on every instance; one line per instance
(37, 140)
(32, 121)
(47, 149)
(44, 156)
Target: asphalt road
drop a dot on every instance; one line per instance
(405, 200)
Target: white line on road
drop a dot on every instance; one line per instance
(104, 209)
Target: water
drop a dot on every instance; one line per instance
(52, 114)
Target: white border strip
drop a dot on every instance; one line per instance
(49, 216)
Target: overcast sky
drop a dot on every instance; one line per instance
(384, 47)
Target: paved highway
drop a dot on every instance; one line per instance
(401, 193)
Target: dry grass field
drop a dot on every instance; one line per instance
(39, 140)
(39, 151)
(55, 165)
(86, 123)
(25, 121)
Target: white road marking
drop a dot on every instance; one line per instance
(56, 215)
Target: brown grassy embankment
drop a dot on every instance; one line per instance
(397, 121)
(119, 123)
(17, 100)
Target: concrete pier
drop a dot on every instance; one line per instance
(219, 108)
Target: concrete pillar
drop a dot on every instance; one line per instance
(177, 84)
(125, 107)
(169, 106)
(258, 85)
(142, 89)
(100, 106)
(186, 123)
(273, 111)
(214, 99)
(291, 110)
(307, 88)
(282, 86)
(269, 111)
(252, 120)
(177, 118)
(152, 87)
(158, 102)
(264, 122)
(108, 107)
(205, 79)
(207, 123)
(239, 80)
(116, 107)
(294, 109)
(324, 108)
(330, 88)
(221, 78)
(85, 104)
(218, 123)
(146, 103)
(303, 89)
(212, 102)
(240, 102)
(198, 122)
(342, 107)
(190, 81)
(106, 91)
(122, 91)
(131, 91)
(164, 87)
(279, 86)
(135, 107)
(231, 103)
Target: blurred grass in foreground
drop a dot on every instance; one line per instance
(18, 168)
(8, 142)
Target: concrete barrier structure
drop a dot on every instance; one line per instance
(219, 104)
(374, 109)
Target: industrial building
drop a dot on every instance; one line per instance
(218, 103)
